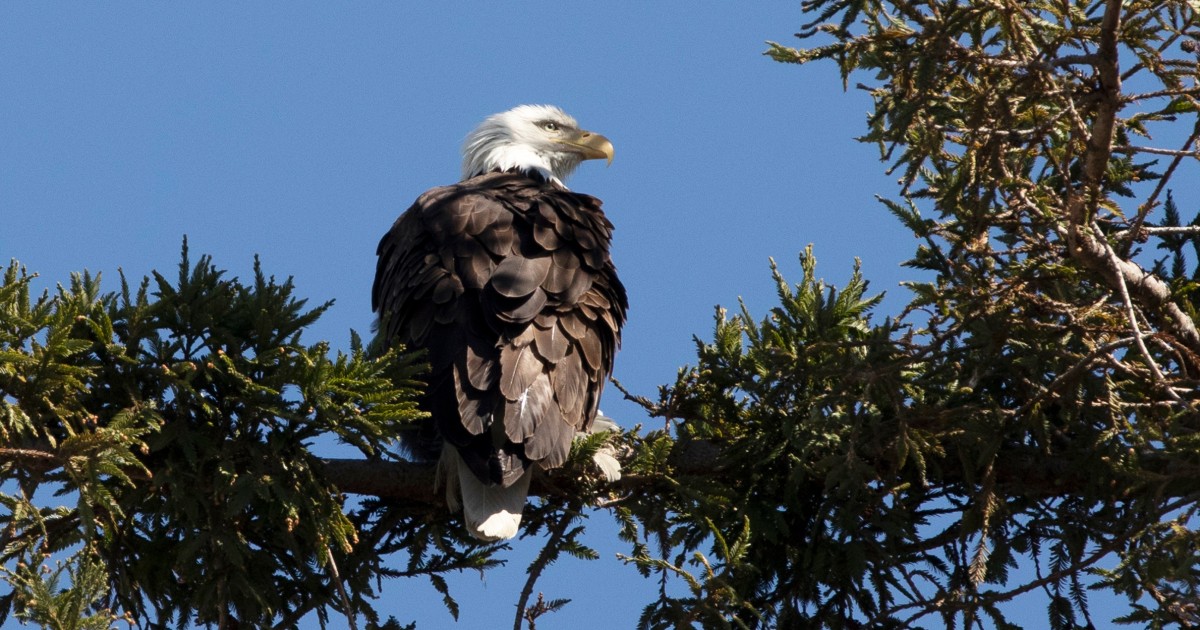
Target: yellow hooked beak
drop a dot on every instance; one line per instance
(593, 146)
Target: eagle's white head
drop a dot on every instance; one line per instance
(539, 139)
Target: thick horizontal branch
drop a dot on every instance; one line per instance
(1018, 474)
(31, 458)
(404, 481)
(416, 482)
(36, 457)
(1034, 475)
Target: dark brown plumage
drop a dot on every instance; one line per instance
(506, 280)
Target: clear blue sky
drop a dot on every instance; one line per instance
(299, 131)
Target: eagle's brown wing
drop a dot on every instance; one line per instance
(508, 283)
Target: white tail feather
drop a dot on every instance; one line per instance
(492, 512)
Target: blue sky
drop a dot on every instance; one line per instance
(299, 131)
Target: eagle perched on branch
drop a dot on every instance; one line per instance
(505, 280)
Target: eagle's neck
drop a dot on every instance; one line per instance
(488, 149)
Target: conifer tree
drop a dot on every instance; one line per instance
(1025, 430)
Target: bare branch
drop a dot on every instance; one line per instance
(1131, 98)
(557, 531)
(341, 589)
(42, 460)
(1152, 201)
(1131, 315)
(1188, 230)
(1131, 150)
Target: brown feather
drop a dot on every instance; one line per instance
(499, 241)
(525, 338)
(518, 311)
(481, 365)
(610, 323)
(511, 465)
(453, 217)
(471, 414)
(580, 283)
(573, 325)
(596, 302)
(545, 236)
(558, 279)
(518, 277)
(549, 214)
(524, 415)
(568, 380)
(551, 441)
(589, 346)
(566, 258)
(586, 239)
(475, 271)
(518, 369)
(449, 287)
(484, 213)
(551, 344)
(508, 284)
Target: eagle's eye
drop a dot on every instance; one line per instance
(550, 125)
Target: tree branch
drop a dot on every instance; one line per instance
(1089, 247)
(1186, 230)
(556, 532)
(31, 458)
(416, 482)
(1130, 150)
(1035, 475)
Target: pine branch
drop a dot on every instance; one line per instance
(1036, 476)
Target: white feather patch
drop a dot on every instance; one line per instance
(604, 458)
(512, 140)
(492, 512)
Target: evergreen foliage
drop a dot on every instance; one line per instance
(1026, 428)
(178, 422)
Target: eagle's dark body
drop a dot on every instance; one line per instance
(506, 280)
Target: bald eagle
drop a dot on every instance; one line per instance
(505, 279)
